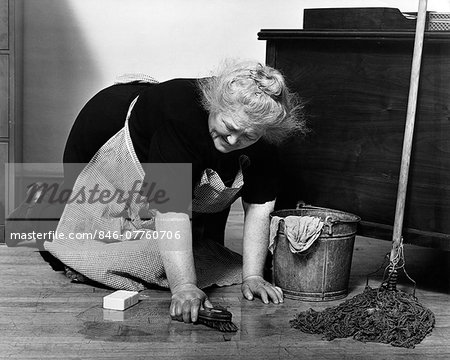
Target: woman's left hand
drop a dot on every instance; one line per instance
(257, 286)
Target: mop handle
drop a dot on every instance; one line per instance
(409, 129)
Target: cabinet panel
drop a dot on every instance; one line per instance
(3, 24)
(4, 95)
(3, 161)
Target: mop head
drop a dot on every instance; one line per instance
(377, 315)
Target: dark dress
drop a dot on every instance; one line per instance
(169, 125)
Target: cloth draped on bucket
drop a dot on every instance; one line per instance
(132, 264)
(301, 231)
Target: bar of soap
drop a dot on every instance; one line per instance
(120, 300)
(116, 315)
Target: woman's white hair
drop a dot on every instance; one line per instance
(261, 93)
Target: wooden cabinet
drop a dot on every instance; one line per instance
(9, 100)
(356, 85)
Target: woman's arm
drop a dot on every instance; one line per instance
(178, 259)
(256, 241)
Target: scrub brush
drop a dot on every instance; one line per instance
(216, 318)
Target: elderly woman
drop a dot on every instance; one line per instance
(225, 125)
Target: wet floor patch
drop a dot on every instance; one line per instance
(147, 321)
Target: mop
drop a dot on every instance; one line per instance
(384, 315)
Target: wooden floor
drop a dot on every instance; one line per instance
(43, 315)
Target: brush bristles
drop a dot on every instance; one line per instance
(224, 326)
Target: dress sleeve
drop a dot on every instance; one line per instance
(169, 170)
(261, 177)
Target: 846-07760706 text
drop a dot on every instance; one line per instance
(100, 235)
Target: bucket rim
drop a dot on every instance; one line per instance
(357, 219)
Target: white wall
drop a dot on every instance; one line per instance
(73, 48)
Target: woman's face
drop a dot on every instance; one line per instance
(228, 135)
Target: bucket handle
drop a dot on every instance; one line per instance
(329, 221)
(300, 204)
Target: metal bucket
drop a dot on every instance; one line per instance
(322, 272)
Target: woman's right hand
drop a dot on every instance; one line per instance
(187, 299)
